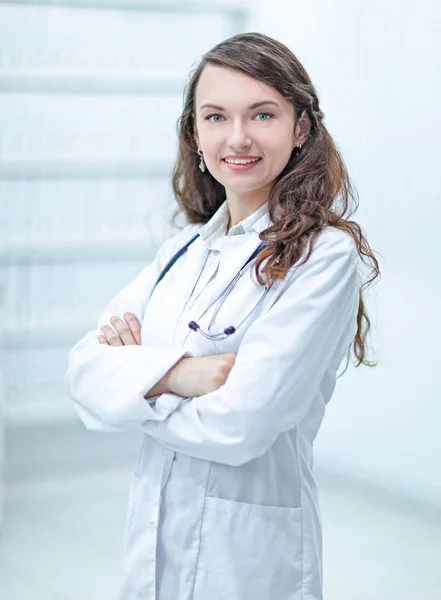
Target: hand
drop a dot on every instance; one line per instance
(129, 332)
(197, 376)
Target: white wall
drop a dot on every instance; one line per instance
(375, 67)
(94, 92)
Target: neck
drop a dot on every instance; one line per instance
(242, 207)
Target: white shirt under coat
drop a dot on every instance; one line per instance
(223, 503)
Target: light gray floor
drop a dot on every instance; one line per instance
(62, 540)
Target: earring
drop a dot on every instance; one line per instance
(297, 150)
(202, 163)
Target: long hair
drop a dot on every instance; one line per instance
(313, 190)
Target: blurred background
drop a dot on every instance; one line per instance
(90, 92)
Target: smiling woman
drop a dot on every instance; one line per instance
(225, 350)
(242, 137)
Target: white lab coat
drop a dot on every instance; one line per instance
(223, 503)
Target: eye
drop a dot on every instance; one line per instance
(209, 117)
(265, 114)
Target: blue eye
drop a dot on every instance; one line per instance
(266, 115)
(210, 116)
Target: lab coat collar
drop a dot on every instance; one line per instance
(235, 250)
(215, 228)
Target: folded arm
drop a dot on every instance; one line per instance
(107, 383)
(280, 364)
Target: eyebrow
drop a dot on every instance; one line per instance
(251, 107)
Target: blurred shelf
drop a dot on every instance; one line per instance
(71, 82)
(80, 251)
(83, 169)
(40, 405)
(46, 335)
(165, 6)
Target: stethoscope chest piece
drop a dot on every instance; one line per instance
(214, 337)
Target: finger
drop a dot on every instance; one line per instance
(123, 330)
(112, 338)
(135, 326)
(102, 340)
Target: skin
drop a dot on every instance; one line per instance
(270, 131)
(188, 377)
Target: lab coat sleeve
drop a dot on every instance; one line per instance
(279, 366)
(107, 383)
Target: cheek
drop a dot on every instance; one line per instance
(279, 144)
(211, 140)
(213, 154)
(280, 156)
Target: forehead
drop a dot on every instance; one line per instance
(216, 85)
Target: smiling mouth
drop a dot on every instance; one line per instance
(237, 161)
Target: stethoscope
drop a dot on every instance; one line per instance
(220, 299)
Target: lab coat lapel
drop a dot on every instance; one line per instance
(192, 268)
(236, 251)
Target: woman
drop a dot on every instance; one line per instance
(229, 383)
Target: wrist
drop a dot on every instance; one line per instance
(167, 384)
(172, 377)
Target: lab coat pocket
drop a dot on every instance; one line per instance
(249, 551)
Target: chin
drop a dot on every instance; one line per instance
(242, 187)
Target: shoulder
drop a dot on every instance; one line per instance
(176, 241)
(185, 234)
(333, 257)
(336, 242)
(333, 251)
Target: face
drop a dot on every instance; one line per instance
(239, 118)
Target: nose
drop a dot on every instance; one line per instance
(239, 136)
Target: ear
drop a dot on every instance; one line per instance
(302, 129)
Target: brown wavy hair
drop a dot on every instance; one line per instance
(313, 190)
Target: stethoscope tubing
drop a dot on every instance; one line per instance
(220, 300)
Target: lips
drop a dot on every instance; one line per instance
(245, 166)
(242, 160)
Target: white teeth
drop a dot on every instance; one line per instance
(236, 161)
